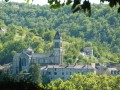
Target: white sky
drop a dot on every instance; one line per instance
(42, 2)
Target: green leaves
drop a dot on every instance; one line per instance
(41, 22)
(86, 82)
(86, 6)
(113, 3)
(55, 4)
(50, 2)
(27, 1)
(35, 73)
(76, 6)
(68, 2)
(6, 0)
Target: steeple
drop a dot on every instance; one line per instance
(57, 35)
(57, 40)
(29, 51)
(58, 48)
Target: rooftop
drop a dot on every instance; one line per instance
(88, 48)
(112, 69)
(69, 66)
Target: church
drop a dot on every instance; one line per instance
(22, 61)
(51, 64)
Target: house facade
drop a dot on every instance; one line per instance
(53, 72)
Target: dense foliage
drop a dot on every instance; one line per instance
(35, 73)
(86, 82)
(38, 23)
(76, 82)
(78, 5)
(7, 82)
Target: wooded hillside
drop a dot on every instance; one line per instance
(101, 31)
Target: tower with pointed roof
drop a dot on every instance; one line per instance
(22, 61)
(57, 48)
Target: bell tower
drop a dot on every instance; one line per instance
(57, 48)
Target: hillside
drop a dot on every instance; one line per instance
(38, 23)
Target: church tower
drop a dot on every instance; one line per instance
(57, 48)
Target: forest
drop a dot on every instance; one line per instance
(86, 82)
(76, 82)
(39, 23)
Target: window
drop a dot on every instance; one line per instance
(118, 72)
(57, 45)
(23, 61)
(49, 73)
(70, 73)
(82, 72)
(17, 71)
(39, 61)
(55, 73)
(66, 73)
(43, 60)
(112, 72)
(115, 72)
(62, 73)
(55, 69)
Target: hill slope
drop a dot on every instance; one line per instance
(100, 31)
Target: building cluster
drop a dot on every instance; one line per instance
(107, 68)
(52, 66)
(6, 68)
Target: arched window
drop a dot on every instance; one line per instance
(57, 45)
(23, 62)
(20, 65)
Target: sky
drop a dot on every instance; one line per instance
(43, 2)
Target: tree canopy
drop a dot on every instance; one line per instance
(86, 82)
(78, 4)
(100, 31)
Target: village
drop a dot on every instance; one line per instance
(52, 66)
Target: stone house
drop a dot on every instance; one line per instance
(88, 51)
(53, 72)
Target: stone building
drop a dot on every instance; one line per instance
(6, 68)
(88, 51)
(22, 61)
(51, 63)
(53, 72)
(112, 71)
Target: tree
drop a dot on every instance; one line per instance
(5, 76)
(48, 36)
(8, 82)
(35, 73)
(90, 81)
(77, 5)
(55, 85)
